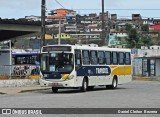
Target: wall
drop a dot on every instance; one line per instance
(4, 60)
(148, 52)
(19, 82)
(137, 67)
(157, 67)
(4, 57)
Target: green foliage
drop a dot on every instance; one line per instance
(128, 27)
(146, 40)
(133, 38)
(145, 27)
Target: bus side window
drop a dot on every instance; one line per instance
(86, 57)
(127, 58)
(101, 57)
(115, 58)
(78, 57)
(93, 57)
(108, 58)
(121, 58)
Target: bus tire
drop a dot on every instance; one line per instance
(54, 89)
(84, 85)
(114, 84)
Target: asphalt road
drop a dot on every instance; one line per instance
(136, 94)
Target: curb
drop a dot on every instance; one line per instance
(30, 90)
(16, 91)
(146, 79)
(143, 79)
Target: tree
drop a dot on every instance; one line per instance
(128, 27)
(145, 27)
(133, 38)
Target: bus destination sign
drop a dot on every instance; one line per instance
(56, 48)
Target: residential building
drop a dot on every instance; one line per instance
(59, 14)
(117, 39)
(155, 27)
(114, 17)
(63, 36)
(146, 61)
(33, 18)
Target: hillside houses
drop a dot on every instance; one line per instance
(88, 28)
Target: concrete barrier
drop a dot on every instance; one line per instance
(19, 82)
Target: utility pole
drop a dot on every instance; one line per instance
(103, 42)
(59, 39)
(43, 15)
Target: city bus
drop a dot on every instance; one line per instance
(19, 63)
(84, 66)
(25, 63)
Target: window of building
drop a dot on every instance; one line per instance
(108, 58)
(86, 57)
(101, 57)
(93, 57)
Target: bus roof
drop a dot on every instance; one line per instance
(94, 47)
(25, 53)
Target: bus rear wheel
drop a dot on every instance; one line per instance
(54, 89)
(84, 85)
(114, 84)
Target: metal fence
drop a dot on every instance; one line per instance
(19, 71)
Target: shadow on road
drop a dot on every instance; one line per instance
(74, 91)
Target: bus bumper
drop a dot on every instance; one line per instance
(60, 83)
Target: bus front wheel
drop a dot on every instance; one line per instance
(84, 85)
(54, 89)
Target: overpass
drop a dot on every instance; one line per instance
(17, 29)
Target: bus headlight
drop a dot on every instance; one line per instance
(70, 77)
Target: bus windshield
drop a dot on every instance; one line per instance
(57, 62)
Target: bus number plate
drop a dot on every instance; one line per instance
(55, 84)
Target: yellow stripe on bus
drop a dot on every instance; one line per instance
(65, 76)
(122, 70)
(113, 66)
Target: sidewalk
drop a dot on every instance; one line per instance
(16, 90)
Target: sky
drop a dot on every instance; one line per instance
(21, 8)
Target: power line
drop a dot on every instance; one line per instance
(111, 9)
(120, 9)
(60, 4)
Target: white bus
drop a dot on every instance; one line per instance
(84, 66)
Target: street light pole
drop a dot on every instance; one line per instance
(43, 15)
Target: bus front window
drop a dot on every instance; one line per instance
(57, 62)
